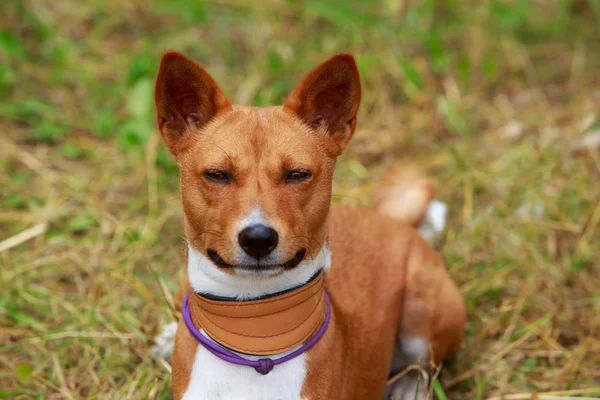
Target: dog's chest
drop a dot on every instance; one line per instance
(213, 378)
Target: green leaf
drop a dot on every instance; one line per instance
(437, 389)
(533, 326)
(341, 14)
(439, 57)
(48, 131)
(510, 16)
(24, 374)
(453, 120)
(9, 395)
(139, 101)
(417, 15)
(490, 68)
(528, 366)
(262, 98)
(192, 10)
(595, 126)
(133, 133)
(24, 318)
(11, 46)
(26, 110)
(276, 63)
(14, 201)
(71, 150)
(464, 71)
(366, 62)
(82, 222)
(103, 123)
(165, 160)
(412, 74)
(577, 264)
(595, 5)
(8, 77)
(141, 66)
(22, 178)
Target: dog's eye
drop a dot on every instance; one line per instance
(296, 175)
(217, 176)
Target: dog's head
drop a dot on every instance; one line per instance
(256, 181)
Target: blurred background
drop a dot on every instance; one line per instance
(499, 100)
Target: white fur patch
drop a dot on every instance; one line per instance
(434, 221)
(415, 350)
(165, 340)
(409, 387)
(215, 379)
(255, 217)
(205, 277)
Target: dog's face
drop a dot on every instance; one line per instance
(256, 182)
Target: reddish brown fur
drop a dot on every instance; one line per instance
(385, 280)
(257, 145)
(388, 260)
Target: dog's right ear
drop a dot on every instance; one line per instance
(186, 99)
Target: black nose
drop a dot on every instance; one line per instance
(258, 240)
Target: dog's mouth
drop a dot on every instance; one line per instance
(257, 266)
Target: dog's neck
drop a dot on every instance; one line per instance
(266, 326)
(205, 277)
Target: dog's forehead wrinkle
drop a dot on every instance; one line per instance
(257, 136)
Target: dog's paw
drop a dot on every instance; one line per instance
(434, 221)
(165, 341)
(409, 387)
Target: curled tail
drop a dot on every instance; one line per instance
(406, 193)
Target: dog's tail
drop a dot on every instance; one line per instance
(406, 193)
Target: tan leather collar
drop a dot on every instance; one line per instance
(263, 327)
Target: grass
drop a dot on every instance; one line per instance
(493, 97)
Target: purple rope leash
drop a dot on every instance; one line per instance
(264, 365)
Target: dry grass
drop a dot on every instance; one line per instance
(493, 100)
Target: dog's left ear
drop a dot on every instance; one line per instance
(328, 99)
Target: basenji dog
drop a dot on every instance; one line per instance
(288, 296)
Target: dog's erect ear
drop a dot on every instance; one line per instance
(328, 99)
(186, 97)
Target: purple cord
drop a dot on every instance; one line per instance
(264, 365)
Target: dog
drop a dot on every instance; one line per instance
(288, 296)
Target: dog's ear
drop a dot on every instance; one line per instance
(186, 98)
(328, 99)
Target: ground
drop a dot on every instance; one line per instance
(498, 100)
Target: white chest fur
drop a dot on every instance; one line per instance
(215, 379)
